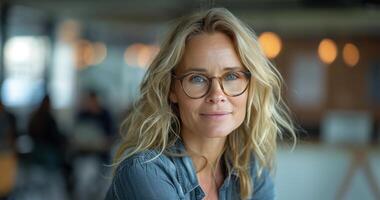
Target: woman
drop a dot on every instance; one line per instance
(206, 123)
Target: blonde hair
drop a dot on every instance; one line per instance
(154, 123)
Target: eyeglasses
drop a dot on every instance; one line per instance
(197, 85)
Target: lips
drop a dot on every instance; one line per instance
(215, 115)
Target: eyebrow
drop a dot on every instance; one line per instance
(197, 69)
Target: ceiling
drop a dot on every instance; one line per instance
(286, 16)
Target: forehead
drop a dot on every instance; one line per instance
(211, 52)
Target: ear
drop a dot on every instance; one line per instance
(172, 96)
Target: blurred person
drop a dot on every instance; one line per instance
(206, 123)
(42, 171)
(48, 142)
(94, 122)
(92, 141)
(8, 129)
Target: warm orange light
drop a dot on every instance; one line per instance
(130, 55)
(100, 52)
(327, 51)
(69, 31)
(85, 54)
(143, 56)
(271, 44)
(351, 54)
(140, 55)
(147, 54)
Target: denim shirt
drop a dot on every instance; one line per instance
(172, 177)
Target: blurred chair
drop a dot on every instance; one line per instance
(347, 127)
(353, 129)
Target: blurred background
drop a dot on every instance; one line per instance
(69, 71)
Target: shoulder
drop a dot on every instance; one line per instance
(145, 175)
(263, 185)
(148, 160)
(257, 171)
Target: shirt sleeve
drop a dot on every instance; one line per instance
(138, 180)
(263, 188)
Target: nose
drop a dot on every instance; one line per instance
(216, 94)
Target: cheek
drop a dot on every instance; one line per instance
(241, 106)
(187, 109)
(184, 111)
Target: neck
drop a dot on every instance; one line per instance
(200, 148)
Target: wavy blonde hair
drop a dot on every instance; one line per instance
(154, 123)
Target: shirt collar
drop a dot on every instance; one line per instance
(185, 167)
(186, 172)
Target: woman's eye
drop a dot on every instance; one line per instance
(197, 79)
(231, 76)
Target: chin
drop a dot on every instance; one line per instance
(217, 133)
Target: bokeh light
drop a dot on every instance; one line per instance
(140, 55)
(271, 44)
(351, 54)
(85, 54)
(327, 51)
(100, 51)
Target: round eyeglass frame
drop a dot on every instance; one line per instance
(180, 78)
